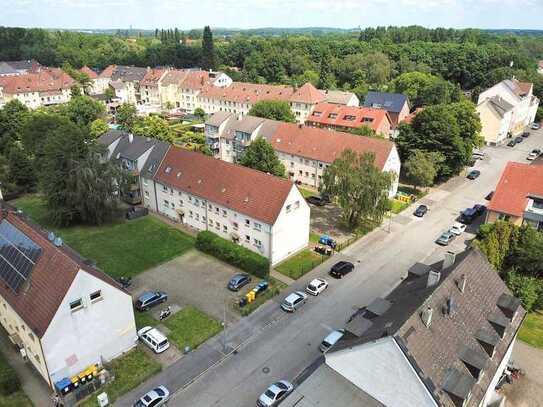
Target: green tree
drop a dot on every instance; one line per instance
(200, 113)
(421, 168)
(154, 127)
(97, 128)
(273, 109)
(528, 289)
(126, 116)
(261, 156)
(539, 115)
(326, 77)
(208, 50)
(361, 189)
(425, 89)
(20, 170)
(12, 119)
(83, 110)
(110, 93)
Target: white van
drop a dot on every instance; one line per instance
(331, 340)
(153, 338)
(478, 155)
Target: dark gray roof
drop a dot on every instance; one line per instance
(6, 69)
(391, 102)
(379, 306)
(436, 352)
(218, 118)
(110, 136)
(128, 73)
(23, 65)
(500, 105)
(155, 159)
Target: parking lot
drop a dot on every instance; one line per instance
(193, 278)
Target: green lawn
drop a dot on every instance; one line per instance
(531, 331)
(129, 370)
(121, 248)
(192, 327)
(306, 193)
(314, 237)
(299, 264)
(144, 319)
(398, 206)
(274, 288)
(17, 399)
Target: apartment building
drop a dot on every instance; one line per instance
(125, 81)
(42, 87)
(262, 213)
(55, 307)
(305, 151)
(347, 118)
(93, 76)
(396, 104)
(519, 106)
(150, 89)
(518, 197)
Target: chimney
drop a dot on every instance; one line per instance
(448, 260)
(130, 137)
(462, 283)
(427, 317)
(433, 278)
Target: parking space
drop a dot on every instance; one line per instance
(193, 278)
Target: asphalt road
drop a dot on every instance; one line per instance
(285, 344)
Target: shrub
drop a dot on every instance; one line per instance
(9, 381)
(528, 289)
(233, 254)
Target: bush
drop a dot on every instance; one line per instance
(233, 254)
(9, 381)
(528, 289)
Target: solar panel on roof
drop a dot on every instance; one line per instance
(18, 255)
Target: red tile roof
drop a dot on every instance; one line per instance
(516, 183)
(248, 92)
(308, 94)
(326, 145)
(44, 80)
(56, 268)
(152, 77)
(91, 74)
(253, 193)
(196, 80)
(329, 114)
(108, 71)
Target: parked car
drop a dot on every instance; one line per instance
(519, 139)
(535, 126)
(154, 339)
(479, 209)
(445, 238)
(478, 155)
(331, 339)
(532, 156)
(536, 151)
(135, 212)
(512, 143)
(328, 241)
(154, 398)
(457, 228)
(468, 216)
(421, 211)
(149, 299)
(238, 281)
(316, 286)
(294, 301)
(341, 268)
(274, 394)
(474, 174)
(489, 196)
(526, 134)
(316, 200)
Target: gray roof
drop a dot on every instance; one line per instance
(439, 350)
(218, 118)
(23, 65)
(326, 387)
(391, 102)
(6, 69)
(338, 97)
(248, 124)
(500, 105)
(128, 73)
(110, 136)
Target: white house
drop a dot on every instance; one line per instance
(56, 307)
(520, 96)
(304, 151)
(496, 117)
(262, 213)
(443, 337)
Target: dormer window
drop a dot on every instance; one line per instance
(168, 170)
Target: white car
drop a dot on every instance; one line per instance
(331, 339)
(458, 228)
(535, 126)
(294, 301)
(531, 156)
(159, 396)
(316, 286)
(154, 339)
(275, 394)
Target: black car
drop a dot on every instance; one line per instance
(468, 216)
(526, 134)
(479, 209)
(316, 200)
(473, 174)
(421, 211)
(512, 143)
(341, 268)
(519, 139)
(238, 281)
(149, 299)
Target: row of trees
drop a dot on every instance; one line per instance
(54, 151)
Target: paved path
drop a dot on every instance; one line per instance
(281, 277)
(272, 345)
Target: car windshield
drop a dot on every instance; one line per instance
(270, 394)
(282, 386)
(139, 403)
(159, 391)
(312, 287)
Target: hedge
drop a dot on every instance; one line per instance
(9, 381)
(234, 254)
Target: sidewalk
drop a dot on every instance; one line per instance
(281, 277)
(33, 384)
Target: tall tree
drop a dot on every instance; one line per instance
(273, 109)
(82, 110)
(126, 116)
(361, 189)
(154, 127)
(421, 168)
(208, 50)
(20, 170)
(326, 77)
(261, 156)
(13, 117)
(97, 128)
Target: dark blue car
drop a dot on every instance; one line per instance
(149, 299)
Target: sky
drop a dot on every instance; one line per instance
(187, 14)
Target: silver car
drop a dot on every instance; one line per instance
(154, 398)
(275, 394)
(294, 301)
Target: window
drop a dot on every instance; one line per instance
(224, 213)
(147, 194)
(217, 210)
(320, 165)
(247, 238)
(203, 219)
(300, 172)
(144, 182)
(503, 216)
(180, 202)
(225, 229)
(164, 188)
(37, 358)
(291, 164)
(235, 226)
(217, 225)
(247, 222)
(166, 204)
(296, 204)
(289, 207)
(349, 117)
(307, 174)
(196, 202)
(332, 116)
(197, 216)
(190, 214)
(76, 305)
(258, 226)
(96, 296)
(257, 243)
(31, 336)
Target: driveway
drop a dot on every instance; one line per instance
(193, 278)
(528, 390)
